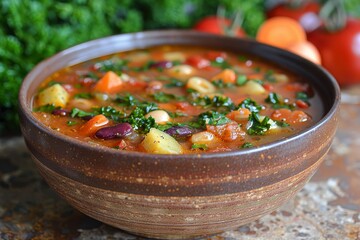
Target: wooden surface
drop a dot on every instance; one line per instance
(327, 208)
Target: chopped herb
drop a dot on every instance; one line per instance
(303, 96)
(276, 102)
(199, 146)
(83, 95)
(221, 63)
(242, 58)
(75, 112)
(115, 65)
(256, 126)
(257, 69)
(51, 83)
(251, 105)
(110, 113)
(147, 107)
(216, 101)
(91, 75)
(247, 145)
(212, 118)
(173, 82)
(282, 124)
(191, 90)
(177, 114)
(71, 123)
(166, 97)
(138, 121)
(127, 101)
(241, 80)
(48, 108)
(269, 76)
(221, 84)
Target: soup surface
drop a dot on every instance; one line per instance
(176, 99)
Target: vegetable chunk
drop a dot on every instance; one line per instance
(159, 142)
(55, 95)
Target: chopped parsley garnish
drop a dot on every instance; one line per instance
(116, 65)
(216, 101)
(220, 63)
(199, 146)
(247, 145)
(212, 118)
(83, 95)
(276, 102)
(282, 124)
(241, 80)
(75, 112)
(138, 121)
(127, 101)
(144, 67)
(110, 113)
(177, 114)
(173, 82)
(46, 108)
(166, 97)
(221, 84)
(256, 126)
(251, 105)
(91, 75)
(269, 76)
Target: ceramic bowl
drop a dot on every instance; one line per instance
(178, 196)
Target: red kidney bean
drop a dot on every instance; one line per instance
(180, 132)
(117, 131)
(162, 64)
(60, 112)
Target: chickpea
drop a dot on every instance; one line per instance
(160, 116)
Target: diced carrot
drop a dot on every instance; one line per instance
(226, 75)
(255, 76)
(94, 124)
(281, 32)
(301, 104)
(289, 116)
(239, 115)
(171, 107)
(109, 83)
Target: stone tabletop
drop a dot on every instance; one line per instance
(327, 208)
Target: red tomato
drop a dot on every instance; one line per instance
(340, 51)
(217, 25)
(306, 14)
(198, 61)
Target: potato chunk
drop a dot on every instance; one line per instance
(159, 142)
(55, 95)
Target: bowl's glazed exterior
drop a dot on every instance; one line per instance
(178, 196)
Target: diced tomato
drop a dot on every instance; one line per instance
(215, 55)
(87, 82)
(268, 87)
(198, 61)
(239, 115)
(228, 132)
(289, 116)
(68, 87)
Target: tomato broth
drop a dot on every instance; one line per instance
(176, 100)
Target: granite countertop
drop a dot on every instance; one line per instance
(327, 208)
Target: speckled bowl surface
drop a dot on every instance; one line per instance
(178, 196)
